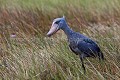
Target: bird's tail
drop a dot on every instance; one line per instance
(101, 56)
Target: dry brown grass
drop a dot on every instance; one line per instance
(31, 55)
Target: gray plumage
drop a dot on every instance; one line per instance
(80, 44)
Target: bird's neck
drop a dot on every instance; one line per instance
(67, 30)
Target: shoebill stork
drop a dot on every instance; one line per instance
(79, 44)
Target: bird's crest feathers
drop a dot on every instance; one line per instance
(63, 16)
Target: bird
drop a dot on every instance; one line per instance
(79, 44)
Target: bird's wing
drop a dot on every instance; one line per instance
(89, 41)
(88, 46)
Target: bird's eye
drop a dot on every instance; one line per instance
(57, 22)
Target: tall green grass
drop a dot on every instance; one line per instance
(30, 55)
(44, 58)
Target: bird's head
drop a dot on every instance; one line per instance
(57, 24)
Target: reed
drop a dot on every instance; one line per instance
(26, 52)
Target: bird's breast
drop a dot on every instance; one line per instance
(74, 48)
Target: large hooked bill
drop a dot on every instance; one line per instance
(54, 29)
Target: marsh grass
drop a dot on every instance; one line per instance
(44, 58)
(30, 55)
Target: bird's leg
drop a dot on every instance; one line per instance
(82, 56)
